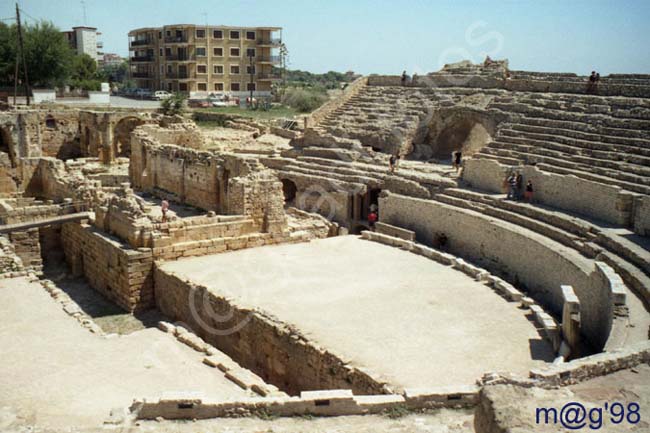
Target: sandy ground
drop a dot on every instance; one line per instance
(407, 319)
(54, 373)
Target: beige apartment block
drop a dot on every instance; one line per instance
(198, 59)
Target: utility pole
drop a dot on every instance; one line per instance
(22, 51)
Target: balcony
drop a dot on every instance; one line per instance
(180, 75)
(268, 59)
(142, 59)
(269, 76)
(141, 42)
(180, 58)
(274, 42)
(176, 39)
(141, 75)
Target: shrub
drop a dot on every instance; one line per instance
(173, 105)
(303, 100)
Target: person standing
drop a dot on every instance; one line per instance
(372, 219)
(512, 185)
(164, 206)
(458, 160)
(404, 77)
(519, 186)
(528, 194)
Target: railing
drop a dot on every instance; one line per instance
(180, 57)
(139, 42)
(269, 76)
(269, 41)
(180, 75)
(175, 39)
(141, 75)
(142, 58)
(269, 59)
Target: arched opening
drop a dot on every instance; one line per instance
(6, 145)
(452, 130)
(289, 190)
(122, 135)
(50, 122)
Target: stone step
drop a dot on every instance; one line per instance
(584, 127)
(596, 178)
(590, 138)
(569, 142)
(531, 111)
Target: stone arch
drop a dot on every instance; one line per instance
(454, 129)
(122, 135)
(289, 190)
(7, 144)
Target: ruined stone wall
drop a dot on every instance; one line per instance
(59, 135)
(604, 202)
(111, 267)
(8, 184)
(329, 107)
(271, 349)
(528, 259)
(579, 86)
(28, 248)
(642, 216)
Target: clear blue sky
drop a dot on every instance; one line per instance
(384, 36)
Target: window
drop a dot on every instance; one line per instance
(234, 52)
(250, 69)
(159, 35)
(182, 87)
(250, 36)
(169, 69)
(161, 52)
(200, 51)
(202, 87)
(217, 52)
(234, 87)
(250, 52)
(200, 33)
(250, 86)
(234, 34)
(50, 123)
(234, 69)
(168, 52)
(201, 69)
(218, 87)
(217, 34)
(217, 69)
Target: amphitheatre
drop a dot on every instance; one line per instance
(264, 299)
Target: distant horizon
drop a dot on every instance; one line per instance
(385, 37)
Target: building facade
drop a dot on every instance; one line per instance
(199, 60)
(84, 41)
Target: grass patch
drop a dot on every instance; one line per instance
(397, 411)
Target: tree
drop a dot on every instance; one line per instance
(84, 67)
(114, 73)
(173, 105)
(48, 55)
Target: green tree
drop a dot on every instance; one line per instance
(173, 105)
(84, 67)
(47, 54)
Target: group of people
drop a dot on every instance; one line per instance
(592, 84)
(515, 188)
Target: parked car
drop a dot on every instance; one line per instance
(143, 94)
(198, 103)
(159, 95)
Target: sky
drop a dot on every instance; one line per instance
(388, 36)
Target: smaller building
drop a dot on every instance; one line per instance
(84, 40)
(112, 59)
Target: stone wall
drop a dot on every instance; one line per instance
(27, 247)
(111, 267)
(607, 203)
(330, 106)
(224, 183)
(579, 85)
(642, 216)
(531, 261)
(275, 351)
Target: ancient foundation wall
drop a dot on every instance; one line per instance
(532, 261)
(28, 248)
(111, 267)
(271, 349)
(607, 203)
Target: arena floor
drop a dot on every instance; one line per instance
(407, 319)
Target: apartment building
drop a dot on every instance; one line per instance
(198, 59)
(84, 41)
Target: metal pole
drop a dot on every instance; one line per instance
(252, 76)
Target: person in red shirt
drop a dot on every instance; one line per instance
(372, 219)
